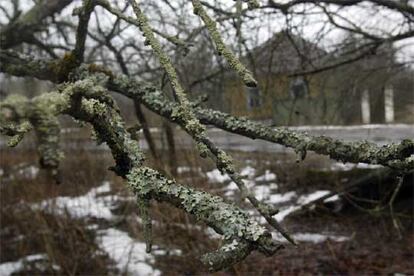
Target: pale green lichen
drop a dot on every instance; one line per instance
(39, 114)
(184, 112)
(95, 136)
(222, 49)
(202, 149)
(392, 155)
(46, 125)
(157, 103)
(52, 103)
(173, 39)
(165, 61)
(12, 107)
(230, 253)
(85, 100)
(93, 107)
(204, 145)
(225, 162)
(17, 132)
(226, 219)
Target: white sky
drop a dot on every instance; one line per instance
(376, 21)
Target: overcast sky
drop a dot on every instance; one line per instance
(376, 21)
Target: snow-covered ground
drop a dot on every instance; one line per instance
(128, 253)
(87, 205)
(9, 268)
(338, 166)
(312, 237)
(268, 192)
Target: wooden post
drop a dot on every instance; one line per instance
(365, 108)
(389, 104)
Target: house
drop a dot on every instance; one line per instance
(367, 91)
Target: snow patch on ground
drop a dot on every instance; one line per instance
(344, 127)
(166, 252)
(338, 166)
(231, 189)
(264, 193)
(22, 170)
(318, 238)
(29, 172)
(303, 200)
(248, 172)
(87, 205)
(186, 169)
(311, 237)
(9, 268)
(128, 254)
(332, 198)
(216, 176)
(281, 198)
(285, 212)
(183, 169)
(268, 176)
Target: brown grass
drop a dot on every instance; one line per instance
(70, 244)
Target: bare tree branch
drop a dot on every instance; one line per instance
(22, 29)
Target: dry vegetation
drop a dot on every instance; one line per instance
(71, 245)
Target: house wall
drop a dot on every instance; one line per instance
(334, 98)
(279, 105)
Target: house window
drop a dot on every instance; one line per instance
(298, 88)
(253, 97)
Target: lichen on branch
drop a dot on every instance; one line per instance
(87, 100)
(394, 155)
(224, 218)
(222, 49)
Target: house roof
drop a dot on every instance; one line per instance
(285, 53)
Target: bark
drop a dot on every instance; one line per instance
(396, 156)
(145, 129)
(86, 100)
(23, 28)
(172, 155)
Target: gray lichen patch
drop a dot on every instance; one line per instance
(391, 155)
(16, 131)
(230, 253)
(226, 219)
(221, 48)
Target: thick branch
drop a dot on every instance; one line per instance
(399, 6)
(84, 14)
(15, 122)
(88, 101)
(396, 156)
(224, 218)
(22, 29)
